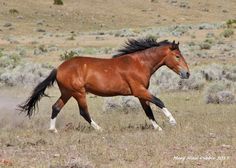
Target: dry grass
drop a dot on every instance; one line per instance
(128, 140)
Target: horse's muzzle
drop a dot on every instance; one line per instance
(184, 74)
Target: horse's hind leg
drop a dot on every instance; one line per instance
(81, 99)
(56, 108)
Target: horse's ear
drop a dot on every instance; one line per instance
(173, 45)
(177, 46)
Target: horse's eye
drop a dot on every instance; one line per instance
(177, 58)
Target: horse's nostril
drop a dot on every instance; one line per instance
(188, 74)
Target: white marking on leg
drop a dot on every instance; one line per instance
(53, 125)
(95, 126)
(169, 115)
(155, 125)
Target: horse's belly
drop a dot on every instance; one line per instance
(102, 89)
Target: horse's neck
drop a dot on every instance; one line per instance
(153, 58)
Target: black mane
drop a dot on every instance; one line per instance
(133, 45)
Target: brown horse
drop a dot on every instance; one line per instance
(127, 73)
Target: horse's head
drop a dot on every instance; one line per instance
(175, 61)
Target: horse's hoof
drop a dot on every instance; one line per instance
(173, 122)
(99, 129)
(158, 128)
(53, 131)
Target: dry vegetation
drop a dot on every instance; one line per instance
(38, 35)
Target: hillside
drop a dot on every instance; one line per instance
(88, 15)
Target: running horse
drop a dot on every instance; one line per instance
(127, 73)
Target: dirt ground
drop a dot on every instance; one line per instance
(205, 134)
(203, 137)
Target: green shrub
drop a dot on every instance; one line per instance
(195, 82)
(126, 104)
(209, 41)
(213, 72)
(191, 43)
(230, 23)
(205, 46)
(72, 37)
(13, 11)
(68, 55)
(219, 93)
(24, 74)
(9, 61)
(58, 2)
(227, 33)
(165, 79)
(42, 48)
(230, 74)
(1, 54)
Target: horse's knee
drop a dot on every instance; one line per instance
(82, 113)
(158, 102)
(55, 111)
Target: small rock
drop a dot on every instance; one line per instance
(212, 135)
(183, 5)
(20, 17)
(40, 22)
(154, 1)
(205, 10)
(7, 25)
(187, 99)
(11, 28)
(224, 11)
(40, 30)
(101, 33)
(102, 25)
(9, 145)
(225, 146)
(56, 155)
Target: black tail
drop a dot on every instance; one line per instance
(31, 103)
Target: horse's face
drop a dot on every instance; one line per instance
(175, 61)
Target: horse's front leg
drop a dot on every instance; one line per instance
(145, 95)
(146, 107)
(161, 105)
